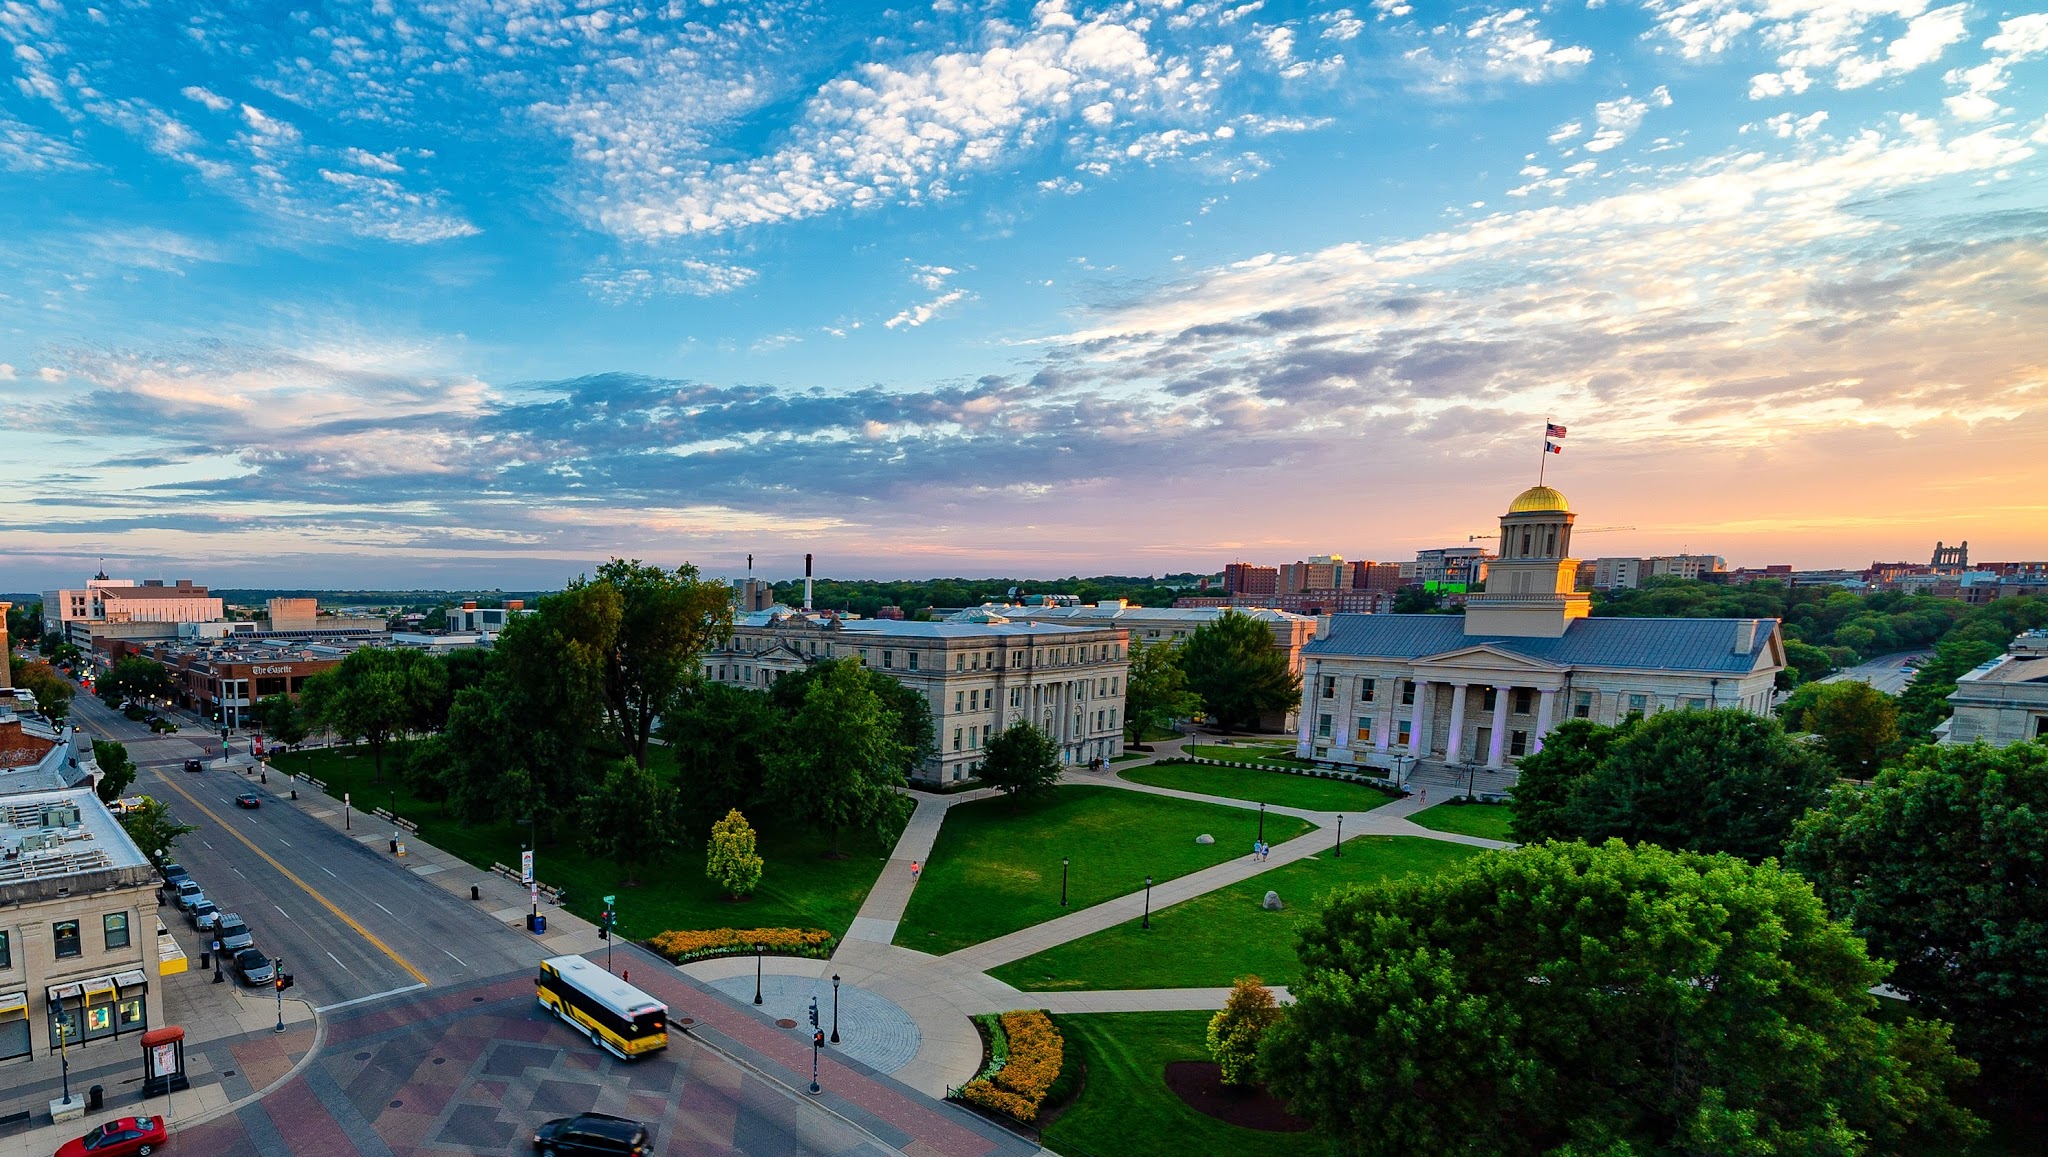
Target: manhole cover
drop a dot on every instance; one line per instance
(785, 1023)
(397, 1104)
(686, 1020)
(362, 1056)
(228, 1073)
(440, 1060)
(476, 1000)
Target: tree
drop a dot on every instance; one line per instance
(720, 736)
(25, 625)
(731, 860)
(1416, 601)
(913, 712)
(1924, 704)
(1155, 690)
(1547, 781)
(1697, 781)
(154, 829)
(117, 771)
(663, 622)
(840, 761)
(133, 677)
(1233, 665)
(1021, 761)
(53, 692)
(1237, 1029)
(1806, 662)
(1565, 999)
(377, 693)
(1857, 725)
(282, 720)
(630, 819)
(1942, 865)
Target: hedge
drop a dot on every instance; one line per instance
(703, 943)
(1036, 1053)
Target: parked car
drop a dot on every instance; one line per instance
(194, 765)
(186, 892)
(248, 800)
(255, 967)
(173, 871)
(122, 1137)
(233, 934)
(204, 915)
(593, 1133)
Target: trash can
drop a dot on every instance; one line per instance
(475, 893)
(95, 1098)
(394, 843)
(205, 960)
(538, 923)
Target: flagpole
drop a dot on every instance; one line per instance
(1545, 463)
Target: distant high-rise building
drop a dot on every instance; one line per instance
(1321, 572)
(1243, 578)
(1374, 576)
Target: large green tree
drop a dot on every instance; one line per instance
(282, 719)
(1575, 1001)
(664, 621)
(1155, 690)
(1924, 703)
(1698, 781)
(1021, 761)
(154, 829)
(912, 711)
(1942, 865)
(1857, 724)
(117, 770)
(133, 677)
(631, 818)
(720, 736)
(840, 761)
(1233, 665)
(1547, 781)
(53, 692)
(377, 694)
(25, 625)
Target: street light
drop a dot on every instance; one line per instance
(835, 1008)
(1339, 853)
(757, 972)
(63, 1043)
(217, 978)
(1063, 881)
(1262, 823)
(1148, 904)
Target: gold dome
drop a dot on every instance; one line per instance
(1537, 500)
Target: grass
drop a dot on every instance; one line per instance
(1211, 940)
(1247, 753)
(1272, 787)
(996, 866)
(1485, 820)
(1125, 1108)
(800, 888)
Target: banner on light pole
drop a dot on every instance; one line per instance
(526, 866)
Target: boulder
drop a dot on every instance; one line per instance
(1273, 903)
(1205, 838)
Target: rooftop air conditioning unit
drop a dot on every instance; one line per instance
(36, 842)
(61, 816)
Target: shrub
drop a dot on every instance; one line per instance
(1235, 1031)
(685, 945)
(1036, 1053)
(731, 860)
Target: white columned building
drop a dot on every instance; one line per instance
(1483, 689)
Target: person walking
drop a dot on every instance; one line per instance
(916, 870)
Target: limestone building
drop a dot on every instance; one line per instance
(979, 676)
(2004, 701)
(1486, 687)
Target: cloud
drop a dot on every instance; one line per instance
(1814, 39)
(25, 150)
(1618, 119)
(681, 277)
(197, 94)
(1506, 46)
(2019, 39)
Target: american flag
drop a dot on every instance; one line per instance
(1553, 430)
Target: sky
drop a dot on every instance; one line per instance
(484, 292)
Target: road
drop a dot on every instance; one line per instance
(1888, 673)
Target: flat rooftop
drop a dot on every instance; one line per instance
(54, 834)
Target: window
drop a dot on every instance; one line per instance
(913, 660)
(1016, 696)
(973, 739)
(1404, 732)
(986, 731)
(974, 700)
(1329, 686)
(1637, 704)
(959, 698)
(1407, 692)
(117, 930)
(1364, 729)
(6, 951)
(1114, 682)
(888, 659)
(1323, 726)
(959, 662)
(1098, 719)
(1518, 743)
(1695, 705)
(1366, 690)
(1487, 703)
(65, 934)
(1525, 700)
(1582, 705)
(2040, 732)
(1112, 718)
(956, 739)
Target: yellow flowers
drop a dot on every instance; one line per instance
(689, 944)
(1036, 1052)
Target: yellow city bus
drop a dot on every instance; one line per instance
(616, 1016)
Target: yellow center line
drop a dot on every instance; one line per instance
(288, 874)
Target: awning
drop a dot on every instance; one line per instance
(13, 1004)
(70, 992)
(131, 980)
(98, 987)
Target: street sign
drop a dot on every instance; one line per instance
(610, 900)
(526, 866)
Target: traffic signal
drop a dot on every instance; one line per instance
(818, 1039)
(284, 981)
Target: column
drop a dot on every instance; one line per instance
(1383, 724)
(1455, 745)
(1498, 742)
(1418, 745)
(1304, 727)
(1545, 704)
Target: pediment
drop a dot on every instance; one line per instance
(1488, 656)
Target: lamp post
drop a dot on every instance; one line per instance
(1148, 903)
(63, 1049)
(1262, 823)
(1338, 854)
(835, 1008)
(216, 960)
(1063, 881)
(757, 972)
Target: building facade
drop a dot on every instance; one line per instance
(77, 926)
(979, 675)
(1243, 578)
(1485, 688)
(2004, 701)
(72, 614)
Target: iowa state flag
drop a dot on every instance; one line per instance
(1553, 430)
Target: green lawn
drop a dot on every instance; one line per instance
(800, 889)
(1213, 939)
(996, 866)
(1280, 788)
(1485, 820)
(1125, 1108)
(1278, 756)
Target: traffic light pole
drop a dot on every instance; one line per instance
(278, 980)
(604, 928)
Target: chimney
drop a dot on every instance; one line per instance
(1745, 636)
(807, 582)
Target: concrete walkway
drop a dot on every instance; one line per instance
(882, 911)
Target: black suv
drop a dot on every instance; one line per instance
(593, 1133)
(194, 765)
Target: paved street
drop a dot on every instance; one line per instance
(1888, 673)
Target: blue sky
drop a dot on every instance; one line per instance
(486, 292)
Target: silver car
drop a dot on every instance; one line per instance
(255, 967)
(204, 915)
(188, 894)
(232, 934)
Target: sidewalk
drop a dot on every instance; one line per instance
(883, 909)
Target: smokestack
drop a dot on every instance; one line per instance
(807, 582)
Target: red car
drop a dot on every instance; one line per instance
(118, 1138)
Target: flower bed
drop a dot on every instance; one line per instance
(1036, 1053)
(689, 944)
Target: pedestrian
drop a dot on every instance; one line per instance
(916, 869)
(1256, 845)
(1422, 797)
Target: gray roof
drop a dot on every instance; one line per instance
(1701, 645)
(908, 629)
